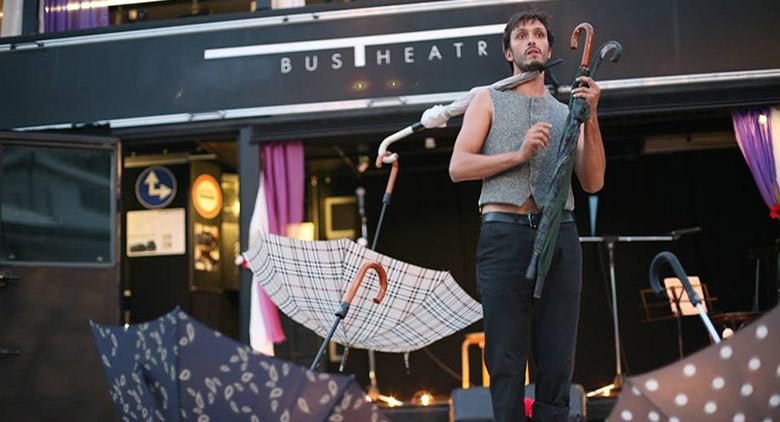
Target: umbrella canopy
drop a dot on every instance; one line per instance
(307, 280)
(175, 368)
(563, 161)
(735, 380)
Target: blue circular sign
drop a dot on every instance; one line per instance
(155, 187)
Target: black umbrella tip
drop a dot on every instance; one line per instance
(530, 273)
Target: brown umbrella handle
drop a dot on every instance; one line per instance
(391, 180)
(588, 29)
(370, 265)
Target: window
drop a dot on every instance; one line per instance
(55, 205)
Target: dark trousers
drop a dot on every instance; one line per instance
(503, 254)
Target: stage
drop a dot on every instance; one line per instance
(598, 409)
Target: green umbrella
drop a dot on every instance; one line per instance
(552, 204)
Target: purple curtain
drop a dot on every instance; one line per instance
(283, 182)
(754, 136)
(283, 175)
(57, 17)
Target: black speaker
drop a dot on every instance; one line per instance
(474, 404)
(471, 405)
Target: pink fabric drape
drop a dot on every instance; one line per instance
(756, 137)
(283, 174)
(283, 183)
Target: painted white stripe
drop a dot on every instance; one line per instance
(684, 79)
(422, 99)
(359, 43)
(266, 21)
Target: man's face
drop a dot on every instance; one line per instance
(528, 46)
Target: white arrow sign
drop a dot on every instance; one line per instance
(162, 191)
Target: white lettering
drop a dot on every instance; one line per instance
(311, 67)
(457, 45)
(409, 54)
(382, 56)
(434, 53)
(286, 65)
(482, 47)
(337, 63)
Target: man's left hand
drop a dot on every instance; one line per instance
(589, 91)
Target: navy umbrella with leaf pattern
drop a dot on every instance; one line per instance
(174, 368)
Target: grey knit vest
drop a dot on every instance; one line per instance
(513, 115)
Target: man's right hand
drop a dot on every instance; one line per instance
(536, 137)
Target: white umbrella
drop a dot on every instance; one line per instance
(438, 115)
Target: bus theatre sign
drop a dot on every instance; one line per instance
(407, 48)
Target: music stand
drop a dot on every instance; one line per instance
(610, 241)
(677, 303)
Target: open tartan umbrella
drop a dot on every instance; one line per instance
(552, 203)
(174, 368)
(737, 379)
(308, 279)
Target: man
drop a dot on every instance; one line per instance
(503, 142)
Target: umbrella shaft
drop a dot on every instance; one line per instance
(708, 323)
(385, 203)
(325, 344)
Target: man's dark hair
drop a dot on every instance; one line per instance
(520, 18)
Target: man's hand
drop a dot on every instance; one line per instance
(536, 137)
(590, 92)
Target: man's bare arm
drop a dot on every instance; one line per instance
(468, 164)
(590, 161)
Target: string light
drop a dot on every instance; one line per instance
(422, 398)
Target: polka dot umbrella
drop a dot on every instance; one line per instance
(736, 380)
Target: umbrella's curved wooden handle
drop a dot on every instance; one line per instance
(588, 29)
(391, 180)
(370, 265)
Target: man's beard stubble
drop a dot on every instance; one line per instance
(536, 65)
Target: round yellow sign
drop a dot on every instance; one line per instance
(207, 196)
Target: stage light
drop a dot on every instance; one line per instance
(422, 398)
(762, 120)
(394, 402)
(425, 399)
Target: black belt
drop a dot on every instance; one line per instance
(530, 220)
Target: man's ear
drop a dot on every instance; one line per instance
(508, 55)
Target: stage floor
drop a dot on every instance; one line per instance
(598, 409)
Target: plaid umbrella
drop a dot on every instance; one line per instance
(552, 203)
(737, 380)
(307, 280)
(174, 368)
